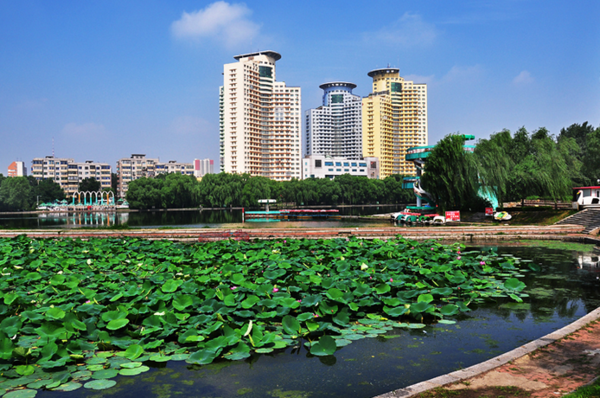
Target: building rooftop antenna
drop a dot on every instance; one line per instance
(52, 146)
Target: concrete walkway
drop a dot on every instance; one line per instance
(455, 233)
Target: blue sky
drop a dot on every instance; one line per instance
(106, 79)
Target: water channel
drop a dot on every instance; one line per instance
(565, 290)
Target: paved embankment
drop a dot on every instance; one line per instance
(467, 233)
(550, 366)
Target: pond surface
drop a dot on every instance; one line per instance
(566, 289)
(183, 219)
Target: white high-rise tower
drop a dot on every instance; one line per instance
(259, 119)
(335, 128)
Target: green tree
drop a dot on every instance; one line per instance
(179, 191)
(16, 194)
(254, 189)
(89, 184)
(591, 159)
(551, 171)
(114, 182)
(48, 191)
(144, 193)
(450, 174)
(495, 164)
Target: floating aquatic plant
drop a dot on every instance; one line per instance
(75, 314)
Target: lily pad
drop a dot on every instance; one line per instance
(70, 386)
(105, 374)
(134, 371)
(99, 384)
(21, 394)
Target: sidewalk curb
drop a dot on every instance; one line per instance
(493, 363)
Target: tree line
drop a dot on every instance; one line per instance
(25, 193)
(514, 167)
(243, 190)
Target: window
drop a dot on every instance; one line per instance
(328, 163)
(339, 164)
(362, 165)
(346, 164)
(373, 165)
(318, 163)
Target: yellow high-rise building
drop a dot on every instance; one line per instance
(394, 119)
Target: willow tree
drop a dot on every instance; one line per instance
(450, 174)
(551, 171)
(495, 163)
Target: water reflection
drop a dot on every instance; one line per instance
(184, 219)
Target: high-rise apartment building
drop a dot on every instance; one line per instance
(17, 169)
(394, 118)
(335, 128)
(259, 119)
(68, 174)
(203, 167)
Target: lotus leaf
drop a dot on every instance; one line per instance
(449, 310)
(420, 307)
(133, 351)
(100, 384)
(202, 357)
(169, 297)
(425, 298)
(382, 288)
(133, 371)
(396, 311)
(171, 285)
(181, 302)
(70, 386)
(325, 346)
(250, 301)
(117, 324)
(21, 394)
(514, 284)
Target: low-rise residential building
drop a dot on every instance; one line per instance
(17, 169)
(321, 166)
(175, 167)
(68, 174)
(130, 169)
(138, 166)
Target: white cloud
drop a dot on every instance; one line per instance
(185, 125)
(84, 130)
(523, 78)
(220, 21)
(409, 31)
(464, 74)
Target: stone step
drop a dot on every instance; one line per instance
(588, 218)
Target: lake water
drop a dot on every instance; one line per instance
(566, 289)
(183, 219)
